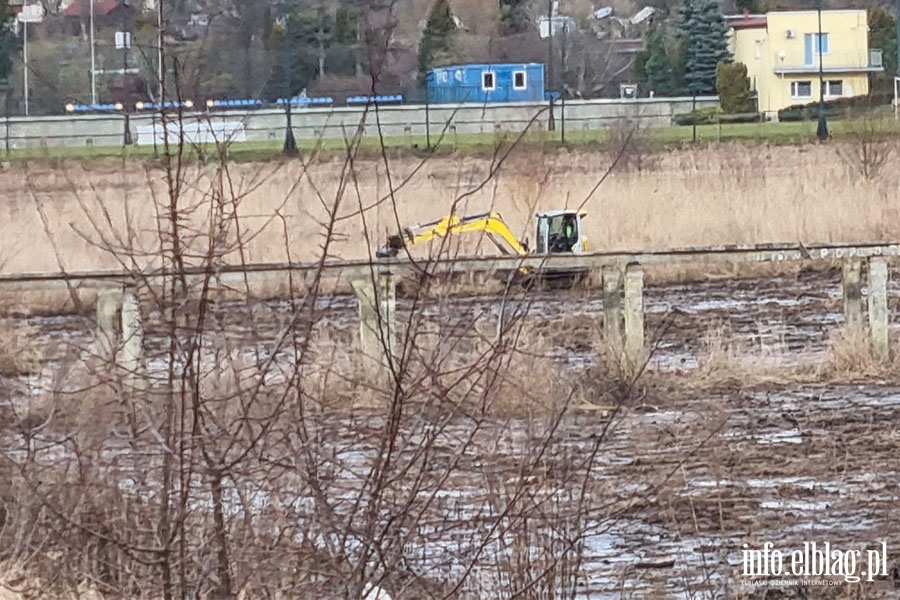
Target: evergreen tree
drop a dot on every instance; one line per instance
(318, 43)
(437, 39)
(7, 42)
(514, 16)
(655, 68)
(883, 36)
(660, 66)
(703, 25)
(733, 86)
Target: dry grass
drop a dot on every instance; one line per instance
(851, 360)
(700, 196)
(724, 363)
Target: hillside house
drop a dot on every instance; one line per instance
(107, 14)
(782, 51)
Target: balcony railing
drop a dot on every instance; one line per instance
(860, 61)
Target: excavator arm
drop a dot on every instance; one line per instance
(491, 224)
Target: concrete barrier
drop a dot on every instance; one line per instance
(268, 124)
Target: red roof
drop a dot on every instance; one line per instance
(81, 8)
(746, 21)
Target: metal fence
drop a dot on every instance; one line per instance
(268, 124)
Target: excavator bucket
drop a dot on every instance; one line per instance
(391, 249)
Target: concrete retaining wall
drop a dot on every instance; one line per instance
(340, 122)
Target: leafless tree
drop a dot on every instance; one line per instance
(252, 452)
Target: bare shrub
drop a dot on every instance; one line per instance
(850, 359)
(633, 147)
(869, 148)
(18, 355)
(723, 363)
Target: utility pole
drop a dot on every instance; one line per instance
(93, 57)
(25, 70)
(822, 130)
(160, 68)
(897, 74)
(550, 45)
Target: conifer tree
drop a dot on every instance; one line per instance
(7, 41)
(514, 16)
(437, 39)
(704, 27)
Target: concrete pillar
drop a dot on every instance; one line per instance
(612, 305)
(634, 315)
(852, 291)
(108, 302)
(377, 318)
(878, 308)
(387, 298)
(132, 337)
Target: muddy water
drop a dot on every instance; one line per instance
(800, 463)
(788, 319)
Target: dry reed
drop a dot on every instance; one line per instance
(725, 194)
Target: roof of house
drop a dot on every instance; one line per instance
(746, 21)
(81, 8)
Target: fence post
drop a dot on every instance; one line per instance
(563, 120)
(551, 123)
(634, 316)
(878, 308)
(427, 123)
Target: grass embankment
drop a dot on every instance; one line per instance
(485, 144)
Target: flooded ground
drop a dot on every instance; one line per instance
(682, 482)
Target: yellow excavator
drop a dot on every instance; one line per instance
(557, 232)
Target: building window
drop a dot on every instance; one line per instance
(834, 87)
(812, 45)
(487, 81)
(812, 40)
(519, 81)
(801, 89)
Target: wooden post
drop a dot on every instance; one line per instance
(107, 307)
(132, 339)
(634, 316)
(878, 308)
(377, 319)
(852, 292)
(612, 305)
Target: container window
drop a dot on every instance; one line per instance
(519, 80)
(487, 81)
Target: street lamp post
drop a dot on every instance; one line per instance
(25, 69)
(897, 74)
(31, 13)
(126, 44)
(290, 144)
(822, 130)
(93, 56)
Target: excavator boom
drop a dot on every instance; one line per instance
(490, 223)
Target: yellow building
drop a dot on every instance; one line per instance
(781, 51)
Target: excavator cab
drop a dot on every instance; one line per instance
(560, 232)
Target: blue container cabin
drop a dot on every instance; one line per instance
(486, 83)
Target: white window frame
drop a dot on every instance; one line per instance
(524, 85)
(493, 85)
(815, 47)
(795, 89)
(827, 39)
(827, 91)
